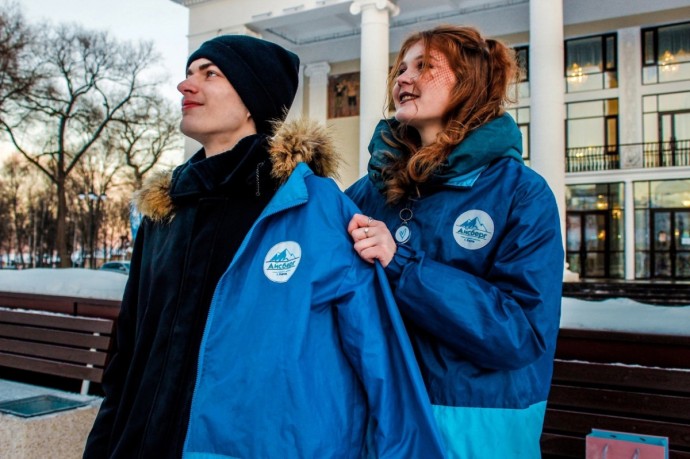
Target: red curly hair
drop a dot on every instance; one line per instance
(483, 69)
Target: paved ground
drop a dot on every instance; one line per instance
(59, 435)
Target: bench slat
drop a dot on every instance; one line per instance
(581, 424)
(668, 351)
(55, 336)
(73, 323)
(49, 367)
(561, 446)
(651, 406)
(42, 302)
(62, 353)
(81, 307)
(554, 446)
(589, 373)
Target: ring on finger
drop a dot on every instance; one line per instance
(366, 232)
(369, 221)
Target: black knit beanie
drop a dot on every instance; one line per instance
(264, 74)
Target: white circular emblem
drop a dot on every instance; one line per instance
(282, 260)
(402, 235)
(473, 229)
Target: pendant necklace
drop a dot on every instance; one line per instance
(403, 233)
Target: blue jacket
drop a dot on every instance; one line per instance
(304, 349)
(479, 286)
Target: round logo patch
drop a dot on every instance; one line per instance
(473, 229)
(282, 260)
(402, 235)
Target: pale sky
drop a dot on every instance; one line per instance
(162, 21)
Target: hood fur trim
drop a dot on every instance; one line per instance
(303, 141)
(153, 200)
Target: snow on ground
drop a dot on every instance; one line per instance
(618, 314)
(623, 314)
(77, 282)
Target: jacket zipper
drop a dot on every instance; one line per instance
(211, 308)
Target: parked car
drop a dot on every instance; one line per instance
(116, 266)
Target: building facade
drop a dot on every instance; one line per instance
(616, 73)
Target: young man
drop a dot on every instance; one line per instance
(249, 327)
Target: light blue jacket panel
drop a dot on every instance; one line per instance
(479, 286)
(304, 346)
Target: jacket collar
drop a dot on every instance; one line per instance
(499, 138)
(294, 143)
(294, 191)
(234, 168)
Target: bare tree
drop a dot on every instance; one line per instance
(147, 131)
(42, 241)
(16, 39)
(13, 183)
(5, 226)
(27, 220)
(98, 175)
(88, 80)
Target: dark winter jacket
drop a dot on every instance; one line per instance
(194, 222)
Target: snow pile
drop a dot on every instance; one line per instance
(76, 282)
(625, 315)
(618, 314)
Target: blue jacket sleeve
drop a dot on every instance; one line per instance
(505, 319)
(376, 343)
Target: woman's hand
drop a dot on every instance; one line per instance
(372, 239)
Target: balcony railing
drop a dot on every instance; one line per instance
(587, 159)
(603, 158)
(667, 154)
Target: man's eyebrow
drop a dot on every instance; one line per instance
(202, 67)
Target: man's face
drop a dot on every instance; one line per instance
(212, 112)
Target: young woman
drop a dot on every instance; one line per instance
(470, 241)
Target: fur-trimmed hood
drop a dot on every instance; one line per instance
(300, 141)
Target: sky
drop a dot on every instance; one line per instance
(163, 22)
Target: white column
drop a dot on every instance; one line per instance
(318, 90)
(547, 93)
(629, 221)
(629, 96)
(297, 108)
(373, 68)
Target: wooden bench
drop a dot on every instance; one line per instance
(626, 382)
(55, 344)
(88, 307)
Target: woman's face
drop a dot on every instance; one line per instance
(421, 99)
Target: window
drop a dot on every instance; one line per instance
(666, 128)
(521, 117)
(522, 57)
(592, 135)
(662, 229)
(666, 53)
(595, 227)
(590, 63)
